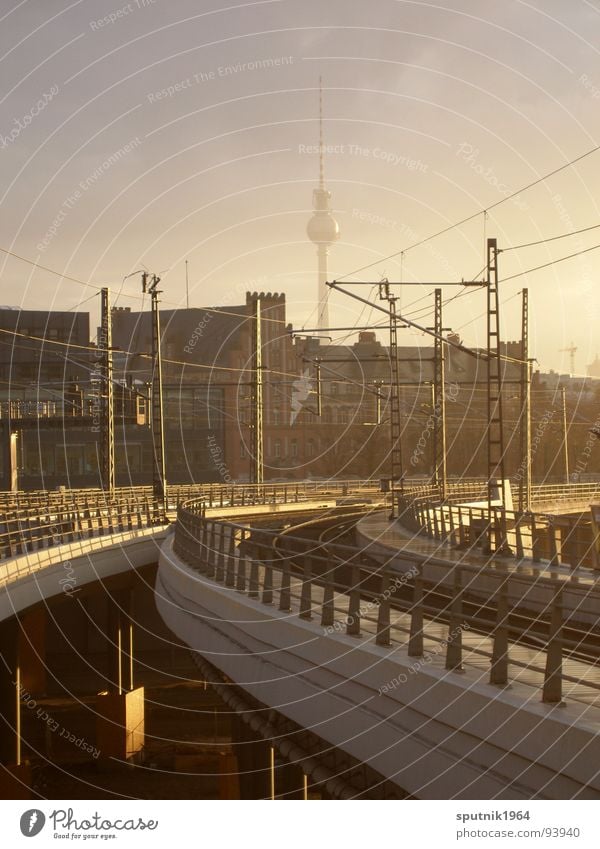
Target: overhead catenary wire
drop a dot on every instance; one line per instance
(121, 294)
(548, 264)
(549, 239)
(473, 215)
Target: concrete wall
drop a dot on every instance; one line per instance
(439, 735)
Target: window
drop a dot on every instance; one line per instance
(310, 448)
(294, 448)
(69, 460)
(128, 457)
(242, 449)
(277, 449)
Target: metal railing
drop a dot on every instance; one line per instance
(38, 520)
(537, 536)
(35, 530)
(286, 570)
(213, 494)
(33, 520)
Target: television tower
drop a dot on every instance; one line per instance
(322, 228)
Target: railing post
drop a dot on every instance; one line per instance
(415, 639)
(499, 667)
(383, 617)
(241, 564)
(211, 553)
(436, 525)
(552, 692)
(220, 555)
(552, 547)
(535, 541)
(72, 527)
(501, 530)
(88, 516)
(444, 535)
(203, 545)
(462, 536)
(196, 535)
(451, 523)
(267, 595)
(518, 535)
(306, 592)
(284, 591)
(327, 610)
(100, 520)
(230, 568)
(454, 644)
(353, 621)
(129, 508)
(253, 584)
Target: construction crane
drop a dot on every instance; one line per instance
(571, 352)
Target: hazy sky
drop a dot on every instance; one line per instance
(155, 132)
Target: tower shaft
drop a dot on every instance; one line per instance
(323, 291)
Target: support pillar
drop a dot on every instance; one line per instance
(15, 776)
(121, 709)
(229, 779)
(9, 457)
(32, 648)
(291, 780)
(253, 757)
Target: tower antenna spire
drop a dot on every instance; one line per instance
(321, 146)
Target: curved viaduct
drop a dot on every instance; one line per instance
(439, 706)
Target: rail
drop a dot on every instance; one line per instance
(30, 521)
(36, 530)
(561, 540)
(213, 494)
(40, 520)
(300, 576)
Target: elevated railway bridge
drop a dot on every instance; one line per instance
(450, 653)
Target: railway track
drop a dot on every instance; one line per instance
(526, 627)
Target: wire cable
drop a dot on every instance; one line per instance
(549, 239)
(474, 214)
(548, 264)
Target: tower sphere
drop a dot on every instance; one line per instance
(323, 229)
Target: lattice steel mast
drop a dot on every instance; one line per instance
(107, 407)
(257, 470)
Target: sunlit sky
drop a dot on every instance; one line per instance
(158, 132)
